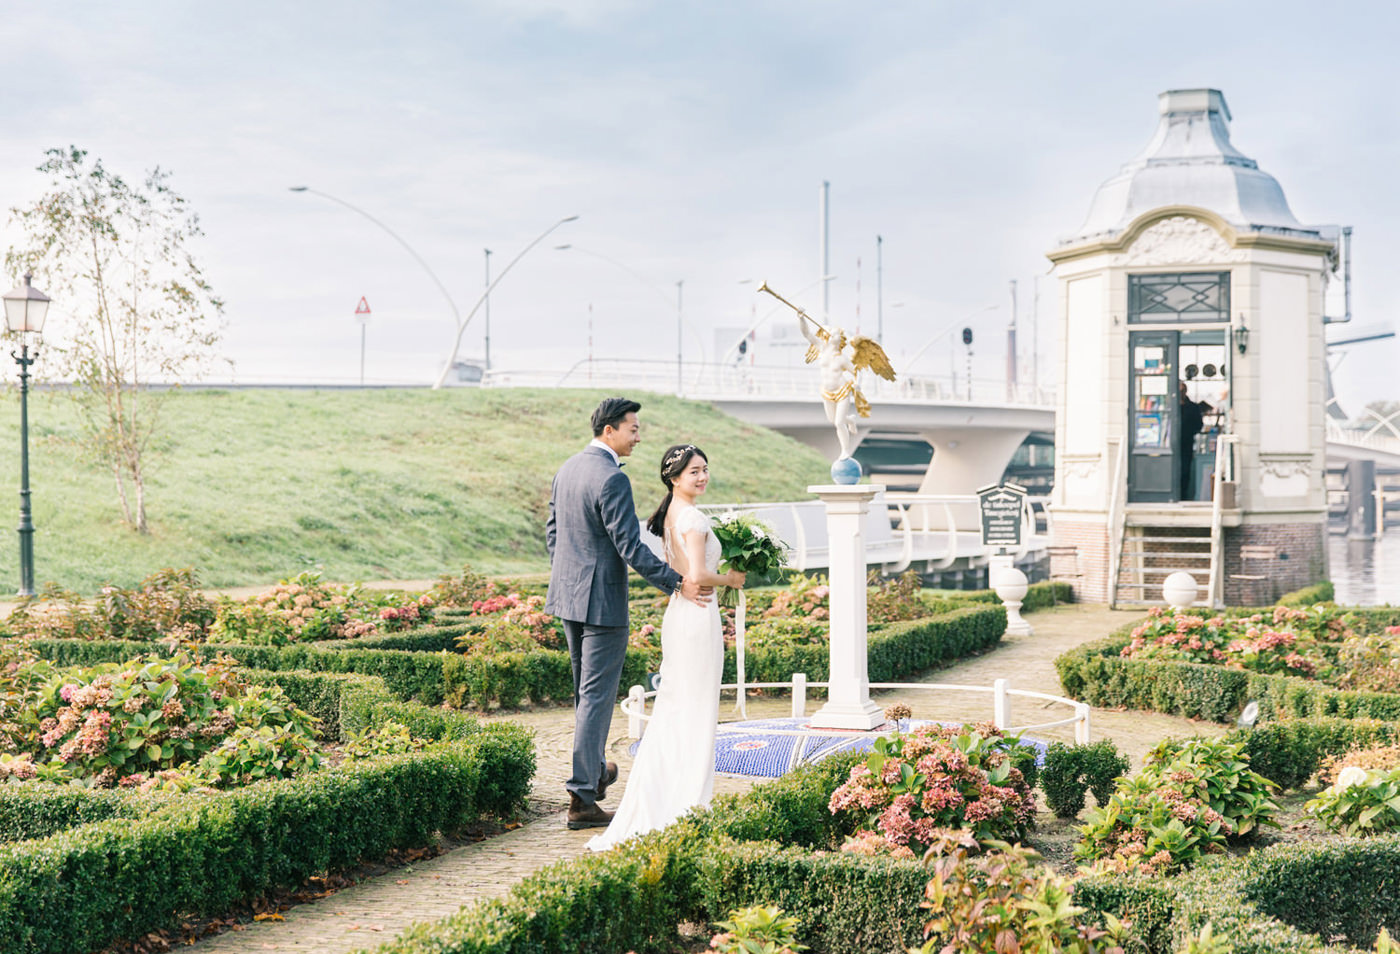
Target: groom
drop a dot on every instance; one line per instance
(593, 536)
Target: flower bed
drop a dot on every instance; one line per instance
(119, 864)
(1099, 673)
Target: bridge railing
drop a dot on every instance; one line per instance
(800, 382)
(1371, 439)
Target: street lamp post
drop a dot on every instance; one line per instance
(486, 295)
(486, 314)
(25, 310)
(679, 312)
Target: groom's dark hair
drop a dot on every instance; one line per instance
(611, 412)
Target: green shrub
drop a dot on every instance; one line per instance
(1216, 773)
(1188, 799)
(1072, 770)
(1002, 901)
(1308, 595)
(39, 809)
(1360, 802)
(1291, 751)
(758, 929)
(198, 855)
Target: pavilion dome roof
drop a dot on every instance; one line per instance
(1190, 161)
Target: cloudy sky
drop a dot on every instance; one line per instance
(691, 139)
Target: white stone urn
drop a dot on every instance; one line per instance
(1011, 586)
(1180, 590)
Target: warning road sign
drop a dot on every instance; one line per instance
(362, 309)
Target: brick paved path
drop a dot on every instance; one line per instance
(374, 911)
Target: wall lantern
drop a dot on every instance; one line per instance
(1242, 336)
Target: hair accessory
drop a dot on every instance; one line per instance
(676, 456)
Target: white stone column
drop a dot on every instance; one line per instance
(848, 704)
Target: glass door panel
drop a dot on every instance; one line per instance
(1153, 470)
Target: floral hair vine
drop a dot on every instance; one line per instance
(677, 455)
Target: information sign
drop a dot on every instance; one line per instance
(1001, 506)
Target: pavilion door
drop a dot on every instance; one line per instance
(1152, 417)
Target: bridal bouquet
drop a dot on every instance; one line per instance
(751, 547)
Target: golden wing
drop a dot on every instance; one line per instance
(867, 353)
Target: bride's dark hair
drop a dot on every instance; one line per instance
(673, 464)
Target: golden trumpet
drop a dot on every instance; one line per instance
(764, 288)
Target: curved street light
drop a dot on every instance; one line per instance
(462, 325)
(395, 236)
(460, 322)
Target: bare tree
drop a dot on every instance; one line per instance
(114, 256)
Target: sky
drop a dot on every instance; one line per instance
(691, 139)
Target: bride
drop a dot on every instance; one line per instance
(675, 766)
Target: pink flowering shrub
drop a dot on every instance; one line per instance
(168, 604)
(515, 625)
(300, 609)
(916, 785)
(464, 590)
(806, 596)
(1254, 643)
(127, 723)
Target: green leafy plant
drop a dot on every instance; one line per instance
(299, 609)
(1207, 942)
(389, 738)
(1189, 798)
(758, 929)
(893, 598)
(1359, 802)
(126, 723)
(1001, 901)
(1218, 774)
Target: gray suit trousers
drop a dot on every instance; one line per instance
(597, 654)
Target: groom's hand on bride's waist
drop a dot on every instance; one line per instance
(695, 592)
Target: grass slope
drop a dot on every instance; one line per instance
(250, 486)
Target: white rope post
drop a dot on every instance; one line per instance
(740, 704)
(636, 708)
(1081, 728)
(799, 695)
(1001, 704)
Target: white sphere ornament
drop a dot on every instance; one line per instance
(1011, 586)
(1180, 589)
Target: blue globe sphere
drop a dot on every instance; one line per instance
(846, 471)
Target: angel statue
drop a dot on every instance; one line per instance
(841, 360)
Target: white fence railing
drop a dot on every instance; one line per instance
(634, 706)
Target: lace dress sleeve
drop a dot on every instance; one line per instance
(692, 520)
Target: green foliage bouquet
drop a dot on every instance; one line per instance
(751, 547)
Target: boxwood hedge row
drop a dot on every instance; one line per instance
(510, 679)
(772, 846)
(101, 866)
(1096, 673)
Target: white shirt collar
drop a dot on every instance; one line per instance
(597, 443)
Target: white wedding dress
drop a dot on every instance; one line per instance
(675, 766)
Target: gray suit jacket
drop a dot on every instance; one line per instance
(592, 536)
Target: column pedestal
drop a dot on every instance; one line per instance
(848, 704)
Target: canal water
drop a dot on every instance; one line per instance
(1366, 572)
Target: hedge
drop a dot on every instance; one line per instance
(1291, 751)
(1095, 673)
(84, 888)
(510, 679)
(39, 809)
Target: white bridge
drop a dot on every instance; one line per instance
(974, 428)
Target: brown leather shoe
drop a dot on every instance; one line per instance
(583, 815)
(609, 776)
